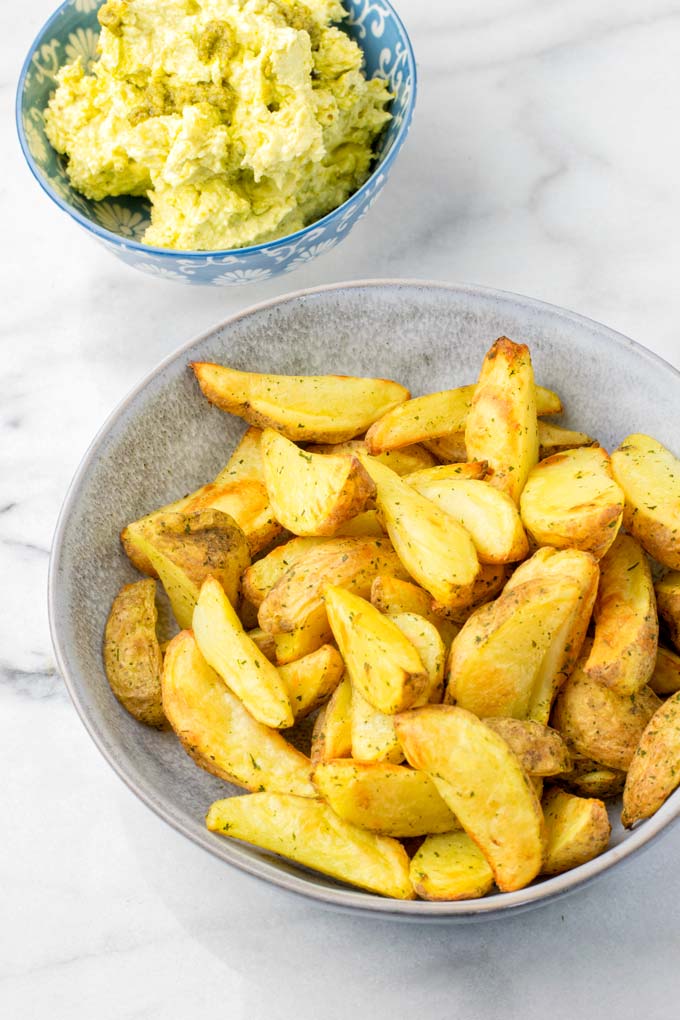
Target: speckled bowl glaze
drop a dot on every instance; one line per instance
(165, 439)
(120, 223)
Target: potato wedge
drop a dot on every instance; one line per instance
(247, 501)
(436, 415)
(309, 832)
(555, 439)
(589, 779)
(666, 676)
(261, 576)
(389, 799)
(599, 723)
(571, 501)
(332, 733)
(403, 461)
(474, 470)
(184, 549)
(649, 475)
(450, 867)
(245, 461)
(312, 679)
(435, 549)
(311, 409)
(219, 733)
(312, 493)
(392, 596)
(132, 654)
(502, 427)
(265, 642)
(512, 655)
(365, 525)
(449, 449)
(667, 591)
(491, 580)
(483, 783)
(427, 641)
(246, 671)
(655, 767)
(540, 749)
(382, 663)
(488, 515)
(576, 830)
(623, 654)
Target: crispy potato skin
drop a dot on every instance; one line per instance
(502, 426)
(219, 734)
(540, 749)
(624, 648)
(312, 493)
(332, 733)
(577, 830)
(483, 783)
(668, 601)
(666, 676)
(571, 501)
(261, 576)
(391, 595)
(649, 475)
(132, 654)
(655, 768)
(587, 778)
(599, 723)
(313, 409)
(309, 832)
(450, 867)
(312, 679)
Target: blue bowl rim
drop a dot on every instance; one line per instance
(129, 244)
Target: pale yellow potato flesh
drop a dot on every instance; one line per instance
(404, 461)
(577, 829)
(488, 515)
(554, 439)
(185, 548)
(539, 748)
(434, 548)
(390, 799)
(590, 779)
(132, 654)
(246, 460)
(484, 785)
(237, 659)
(382, 663)
(312, 494)
(261, 576)
(365, 525)
(301, 641)
(667, 591)
(475, 470)
(654, 771)
(265, 642)
(571, 501)
(491, 580)
(332, 733)
(218, 732)
(313, 409)
(502, 427)
(391, 595)
(449, 449)
(312, 679)
(450, 867)
(666, 676)
(649, 475)
(623, 654)
(599, 723)
(310, 833)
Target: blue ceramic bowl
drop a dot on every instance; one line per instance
(119, 223)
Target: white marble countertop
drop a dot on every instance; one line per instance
(543, 159)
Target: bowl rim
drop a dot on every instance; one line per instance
(130, 244)
(345, 898)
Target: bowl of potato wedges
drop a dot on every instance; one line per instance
(373, 591)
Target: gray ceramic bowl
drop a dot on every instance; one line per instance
(165, 439)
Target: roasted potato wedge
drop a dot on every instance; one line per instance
(475, 470)
(332, 733)
(502, 427)
(265, 642)
(219, 733)
(571, 501)
(236, 658)
(403, 461)
(435, 549)
(309, 832)
(261, 576)
(312, 493)
(488, 515)
(311, 409)
(382, 663)
(599, 723)
(247, 501)
(576, 830)
(555, 439)
(132, 654)
(184, 549)
(623, 654)
(365, 525)
(245, 461)
(551, 438)
(511, 655)
(312, 679)
(491, 580)
(667, 591)
(540, 749)
(649, 475)
(655, 767)
(450, 867)
(392, 596)
(449, 449)
(666, 676)
(390, 799)
(590, 779)
(483, 783)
